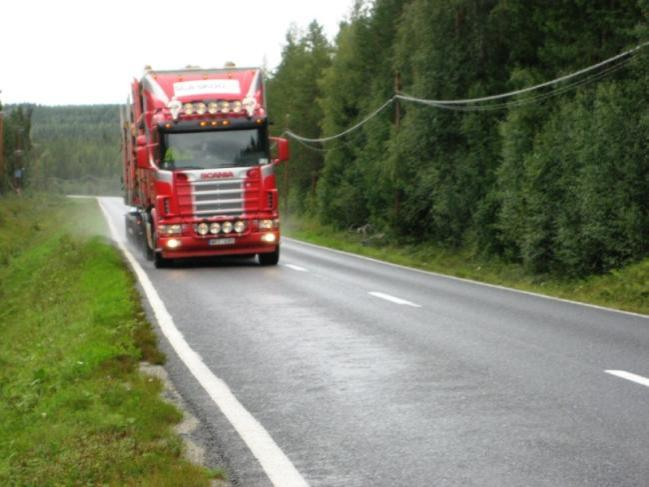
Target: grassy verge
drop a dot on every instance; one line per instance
(625, 289)
(74, 409)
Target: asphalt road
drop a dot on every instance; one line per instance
(367, 374)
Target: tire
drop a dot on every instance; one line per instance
(159, 261)
(271, 258)
(149, 253)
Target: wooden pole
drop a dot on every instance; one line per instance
(286, 179)
(397, 123)
(397, 104)
(2, 148)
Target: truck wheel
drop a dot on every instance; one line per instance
(146, 250)
(271, 258)
(159, 261)
(127, 228)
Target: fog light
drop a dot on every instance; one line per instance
(239, 226)
(173, 243)
(268, 237)
(202, 229)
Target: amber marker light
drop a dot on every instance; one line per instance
(203, 124)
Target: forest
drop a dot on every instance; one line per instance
(557, 180)
(66, 149)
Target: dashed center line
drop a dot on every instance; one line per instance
(296, 267)
(393, 299)
(623, 374)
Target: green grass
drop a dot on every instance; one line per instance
(626, 289)
(74, 410)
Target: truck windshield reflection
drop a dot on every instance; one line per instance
(213, 149)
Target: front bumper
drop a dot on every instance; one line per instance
(187, 246)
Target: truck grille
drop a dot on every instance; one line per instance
(214, 198)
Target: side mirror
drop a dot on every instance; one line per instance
(283, 151)
(142, 157)
(142, 152)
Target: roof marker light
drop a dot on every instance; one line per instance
(250, 104)
(175, 107)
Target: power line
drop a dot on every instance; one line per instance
(341, 134)
(461, 104)
(510, 94)
(528, 100)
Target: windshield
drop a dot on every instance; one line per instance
(213, 149)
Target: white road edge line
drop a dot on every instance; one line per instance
(623, 374)
(295, 267)
(393, 299)
(273, 460)
(469, 281)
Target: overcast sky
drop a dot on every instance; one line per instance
(73, 52)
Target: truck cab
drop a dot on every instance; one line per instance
(199, 165)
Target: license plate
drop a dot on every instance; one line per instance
(222, 241)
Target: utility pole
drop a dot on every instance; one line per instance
(286, 166)
(2, 149)
(397, 123)
(397, 103)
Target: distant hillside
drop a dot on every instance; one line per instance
(77, 148)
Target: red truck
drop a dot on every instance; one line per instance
(197, 165)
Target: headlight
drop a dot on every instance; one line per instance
(169, 229)
(215, 228)
(212, 107)
(239, 226)
(265, 224)
(173, 243)
(268, 237)
(227, 227)
(201, 108)
(188, 108)
(236, 106)
(202, 228)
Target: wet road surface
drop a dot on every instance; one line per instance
(367, 374)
